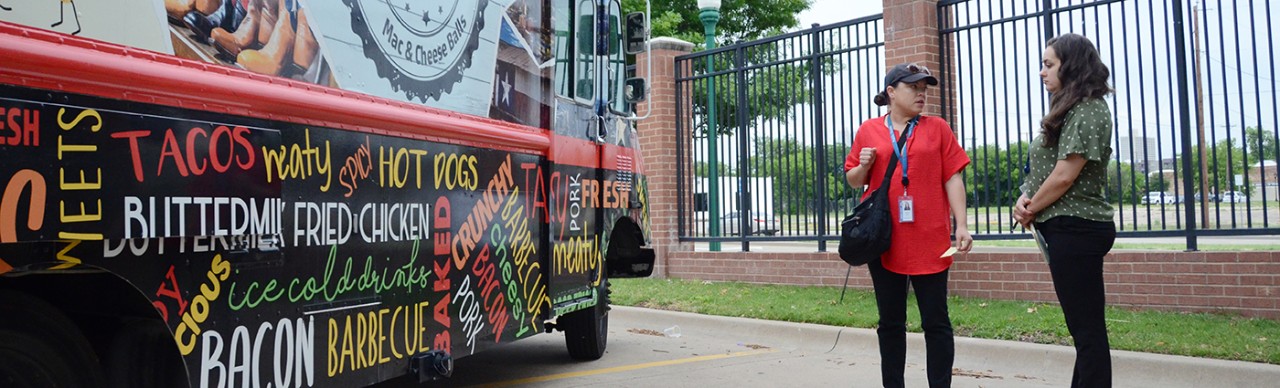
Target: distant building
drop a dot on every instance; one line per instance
(1140, 152)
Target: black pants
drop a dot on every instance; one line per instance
(1076, 249)
(891, 300)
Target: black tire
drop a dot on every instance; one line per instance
(41, 347)
(143, 355)
(28, 362)
(586, 332)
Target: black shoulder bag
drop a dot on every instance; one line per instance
(865, 233)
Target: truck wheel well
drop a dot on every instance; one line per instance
(105, 307)
(626, 257)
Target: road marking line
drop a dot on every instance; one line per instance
(625, 368)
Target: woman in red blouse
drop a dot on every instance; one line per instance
(927, 188)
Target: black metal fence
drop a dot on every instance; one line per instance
(766, 154)
(1195, 109)
(1194, 149)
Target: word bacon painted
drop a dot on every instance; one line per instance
(292, 356)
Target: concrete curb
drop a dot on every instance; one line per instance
(1153, 370)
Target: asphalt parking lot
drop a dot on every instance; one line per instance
(646, 349)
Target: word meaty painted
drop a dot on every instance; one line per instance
(577, 255)
(299, 161)
(292, 346)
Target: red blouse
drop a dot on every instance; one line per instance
(933, 156)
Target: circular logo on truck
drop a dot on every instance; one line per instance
(421, 46)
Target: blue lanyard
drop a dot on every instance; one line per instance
(893, 142)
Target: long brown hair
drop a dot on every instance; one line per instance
(1082, 74)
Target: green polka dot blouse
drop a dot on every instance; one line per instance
(1087, 132)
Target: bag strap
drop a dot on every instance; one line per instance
(893, 161)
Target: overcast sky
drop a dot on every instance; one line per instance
(833, 11)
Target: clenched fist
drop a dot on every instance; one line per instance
(867, 156)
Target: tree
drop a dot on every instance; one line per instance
(1224, 161)
(740, 20)
(786, 83)
(702, 170)
(1260, 144)
(1126, 185)
(994, 175)
(791, 165)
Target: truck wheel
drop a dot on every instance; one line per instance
(143, 355)
(41, 347)
(586, 332)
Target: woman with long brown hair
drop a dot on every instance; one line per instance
(1063, 196)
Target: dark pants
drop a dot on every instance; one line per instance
(1076, 249)
(891, 300)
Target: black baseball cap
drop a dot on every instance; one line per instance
(904, 72)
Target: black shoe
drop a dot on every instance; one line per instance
(202, 25)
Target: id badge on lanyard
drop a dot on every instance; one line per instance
(906, 207)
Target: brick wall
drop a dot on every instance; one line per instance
(911, 35)
(658, 144)
(1246, 283)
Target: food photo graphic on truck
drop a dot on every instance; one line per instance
(292, 193)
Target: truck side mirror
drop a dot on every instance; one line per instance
(636, 90)
(634, 33)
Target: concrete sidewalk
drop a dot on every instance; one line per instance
(1027, 364)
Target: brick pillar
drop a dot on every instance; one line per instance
(658, 146)
(911, 35)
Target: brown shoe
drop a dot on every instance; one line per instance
(305, 46)
(271, 58)
(246, 34)
(269, 12)
(176, 9)
(207, 7)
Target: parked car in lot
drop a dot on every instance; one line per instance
(1158, 197)
(1233, 197)
(760, 223)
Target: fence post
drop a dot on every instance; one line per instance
(819, 135)
(745, 202)
(1179, 39)
(1046, 13)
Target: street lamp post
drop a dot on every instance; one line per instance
(710, 15)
